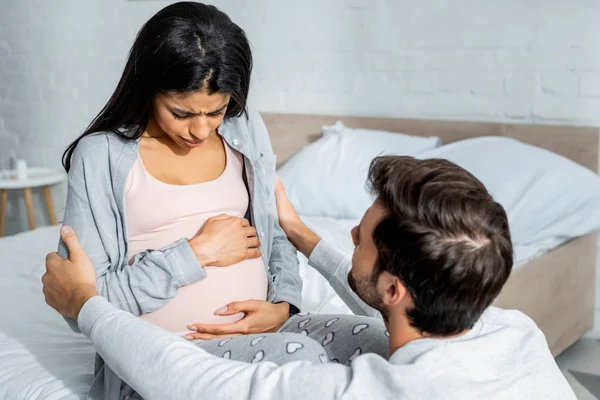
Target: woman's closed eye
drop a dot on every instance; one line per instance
(215, 115)
(186, 116)
(179, 116)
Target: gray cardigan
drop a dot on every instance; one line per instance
(96, 211)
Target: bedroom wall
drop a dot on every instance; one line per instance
(535, 61)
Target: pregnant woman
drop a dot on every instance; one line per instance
(171, 192)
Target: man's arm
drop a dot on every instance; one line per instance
(159, 365)
(328, 260)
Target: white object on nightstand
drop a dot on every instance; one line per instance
(35, 177)
(21, 170)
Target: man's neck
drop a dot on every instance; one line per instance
(401, 333)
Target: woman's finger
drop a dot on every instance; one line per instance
(253, 242)
(219, 217)
(207, 336)
(222, 329)
(250, 231)
(203, 336)
(246, 307)
(253, 253)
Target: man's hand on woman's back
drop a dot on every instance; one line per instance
(69, 283)
(297, 232)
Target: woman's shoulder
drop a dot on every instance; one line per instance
(93, 141)
(252, 126)
(90, 149)
(97, 149)
(105, 140)
(246, 120)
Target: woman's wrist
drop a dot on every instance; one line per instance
(199, 248)
(283, 310)
(284, 307)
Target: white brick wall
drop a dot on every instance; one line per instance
(590, 84)
(529, 61)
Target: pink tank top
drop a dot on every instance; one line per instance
(159, 214)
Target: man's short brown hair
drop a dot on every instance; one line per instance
(444, 236)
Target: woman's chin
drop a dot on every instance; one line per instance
(188, 144)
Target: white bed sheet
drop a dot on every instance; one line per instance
(41, 358)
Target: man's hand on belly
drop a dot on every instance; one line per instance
(260, 317)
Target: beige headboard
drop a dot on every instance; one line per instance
(290, 132)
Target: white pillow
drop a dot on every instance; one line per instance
(327, 177)
(549, 199)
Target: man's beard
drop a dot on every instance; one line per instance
(366, 289)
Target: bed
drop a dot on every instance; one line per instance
(557, 289)
(40, 357)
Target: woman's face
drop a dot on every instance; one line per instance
(191, 118)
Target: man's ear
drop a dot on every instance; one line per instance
(391, 289)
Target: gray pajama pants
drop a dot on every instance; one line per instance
(312, 337)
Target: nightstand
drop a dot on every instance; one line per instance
(36, 177)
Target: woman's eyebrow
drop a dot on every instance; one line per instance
(188, 112)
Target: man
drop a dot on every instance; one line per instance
(431, 254)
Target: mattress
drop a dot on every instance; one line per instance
(41, 358)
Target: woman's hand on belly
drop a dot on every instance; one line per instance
(260, 317)
(225, 240)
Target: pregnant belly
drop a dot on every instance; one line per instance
(196, 303)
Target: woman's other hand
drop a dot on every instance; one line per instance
(259, 317)
(225, 240)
